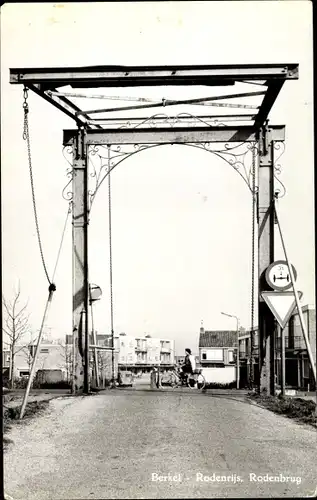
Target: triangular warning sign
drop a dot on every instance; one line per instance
(282, 304)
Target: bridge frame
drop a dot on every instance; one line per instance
(45, 83)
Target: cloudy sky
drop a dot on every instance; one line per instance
(181, 217)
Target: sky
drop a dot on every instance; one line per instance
(181, 218)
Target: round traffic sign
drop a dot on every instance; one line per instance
(278, 276)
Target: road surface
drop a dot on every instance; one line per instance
(137, 443)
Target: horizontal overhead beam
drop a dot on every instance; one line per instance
(172, 135)
(125, 76)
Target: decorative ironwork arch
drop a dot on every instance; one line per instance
(235, 155)
(115, 155)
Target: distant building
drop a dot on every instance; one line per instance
(244, 355)
(298, 373)
(217, 355)
(55, 358)
(143, 353)
(51, 356)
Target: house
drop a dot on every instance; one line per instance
(52, 355)
(298, 372)
(217, 355)
(245, 354)
(143, 353)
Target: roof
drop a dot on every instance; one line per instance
(307, 307)
(218, 338)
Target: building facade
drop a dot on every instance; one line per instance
(53, 355)
(55, 360)
(298, 372)
(217, 356)
(143, 353)
(245, 356)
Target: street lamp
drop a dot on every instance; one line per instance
(238, 360)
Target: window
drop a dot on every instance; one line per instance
(44, 350)
(230, 356)
(122, 344)
(24, 373)
(141, 357)
(212, 355)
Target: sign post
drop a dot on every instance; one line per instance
(94, 294)
(281, 303)
(281, 334)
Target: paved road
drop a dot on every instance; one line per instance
(120, 443)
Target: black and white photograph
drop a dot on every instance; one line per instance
(158, 250)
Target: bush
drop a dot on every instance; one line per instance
(63, 384)
(218, 385)
(13, 412)
(20, 383)
(301, 409)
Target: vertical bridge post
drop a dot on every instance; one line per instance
(266, 257)
(80, 265)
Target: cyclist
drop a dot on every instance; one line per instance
(189, 365)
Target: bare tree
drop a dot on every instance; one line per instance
(15, 327)
(67, 355)
(29, 351)
(102, 367)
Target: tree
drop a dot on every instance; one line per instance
(15, 327)
(67, 355)
(102, 367)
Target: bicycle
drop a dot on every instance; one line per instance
(193, 381)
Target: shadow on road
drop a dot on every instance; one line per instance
(168, 392)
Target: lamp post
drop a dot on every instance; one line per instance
(238, 360)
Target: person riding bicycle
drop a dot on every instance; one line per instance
(189, 365)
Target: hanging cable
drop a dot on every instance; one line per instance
(62, 239)
(110, 267)
(26, 137)
(254, 200)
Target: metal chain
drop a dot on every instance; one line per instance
(110, 264)
(26, 137)
(254, 197)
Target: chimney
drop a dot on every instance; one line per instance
(202, 330)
